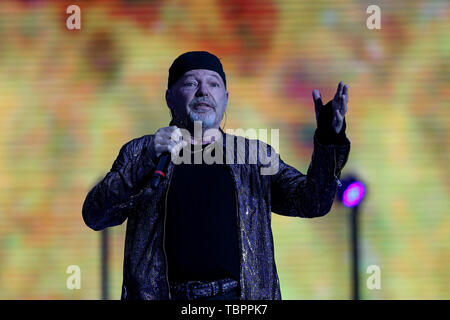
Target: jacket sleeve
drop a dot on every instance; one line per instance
(109, 201)
(310, 195)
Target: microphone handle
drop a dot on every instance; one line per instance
(161, 169)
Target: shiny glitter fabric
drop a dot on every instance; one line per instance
(125, 193)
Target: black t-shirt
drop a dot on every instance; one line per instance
(201, 237)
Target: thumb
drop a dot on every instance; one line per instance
(317, 97)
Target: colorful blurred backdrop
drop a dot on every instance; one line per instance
(69, 99)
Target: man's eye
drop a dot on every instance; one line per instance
(215, 84)
(189, 83)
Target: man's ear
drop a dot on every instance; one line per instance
(169, 99)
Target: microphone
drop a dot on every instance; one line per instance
(163, 160)
(161, 169)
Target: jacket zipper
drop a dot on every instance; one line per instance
(239, 237)
(237, 225)
(334, 171)
(164, 234)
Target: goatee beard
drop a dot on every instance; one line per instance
(207, 119)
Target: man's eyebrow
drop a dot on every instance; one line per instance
(215, 76)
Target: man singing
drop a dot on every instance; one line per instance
(205, 232)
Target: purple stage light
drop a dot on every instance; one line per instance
(353, 195)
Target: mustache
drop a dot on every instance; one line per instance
(202, 100)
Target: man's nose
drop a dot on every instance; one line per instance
(202, 90)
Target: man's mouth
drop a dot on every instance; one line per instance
(203, 106)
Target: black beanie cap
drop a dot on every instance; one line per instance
(194, 60)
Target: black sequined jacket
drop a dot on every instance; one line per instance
(125, 192)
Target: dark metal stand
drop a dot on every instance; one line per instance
(104, 263)
(355, 250)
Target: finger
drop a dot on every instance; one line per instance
(317, 97)
(345, 92)
(338, 122)
(339, 90)
(342, 105)
(157, 139)
(171, 145)
(170, 133)
(181, 144)
(168, 130)
(317, 101)
(165, 145)
(175, 150)
(158, 149)
(339, 116)
(176, 134)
